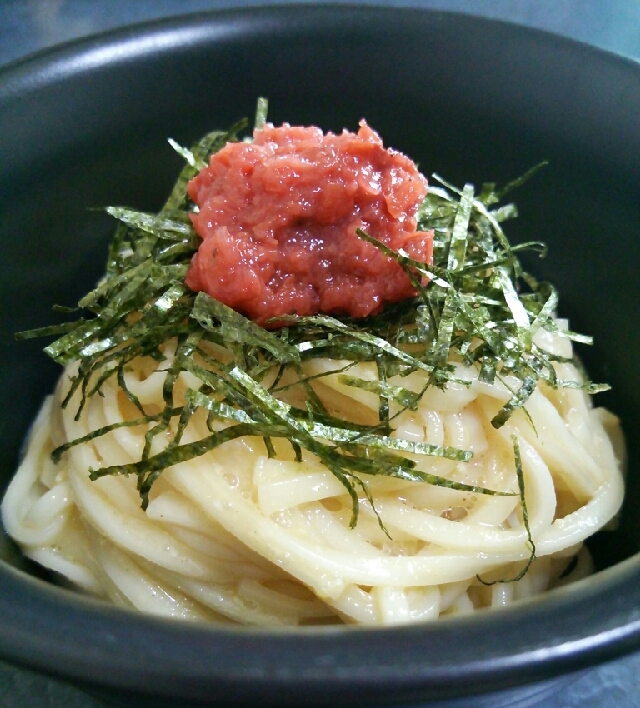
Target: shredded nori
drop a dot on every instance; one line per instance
(474, 304)
(525, 521)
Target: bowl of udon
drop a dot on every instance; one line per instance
(339, 393)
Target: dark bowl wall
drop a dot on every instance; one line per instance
(471, 99)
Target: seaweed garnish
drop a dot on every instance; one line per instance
(474, 305)
(525, 521)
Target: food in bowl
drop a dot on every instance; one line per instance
(309, 399)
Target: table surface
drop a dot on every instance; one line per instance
(27, 26)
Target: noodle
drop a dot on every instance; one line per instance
(237, 536)
(227, 450)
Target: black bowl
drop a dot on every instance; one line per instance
(86, 125)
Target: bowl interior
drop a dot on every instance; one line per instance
(86, 126)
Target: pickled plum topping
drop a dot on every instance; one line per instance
(278, 219)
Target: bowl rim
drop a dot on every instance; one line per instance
(58, 631)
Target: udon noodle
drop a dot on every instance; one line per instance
(236, 535)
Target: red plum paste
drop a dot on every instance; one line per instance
(278, 219)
